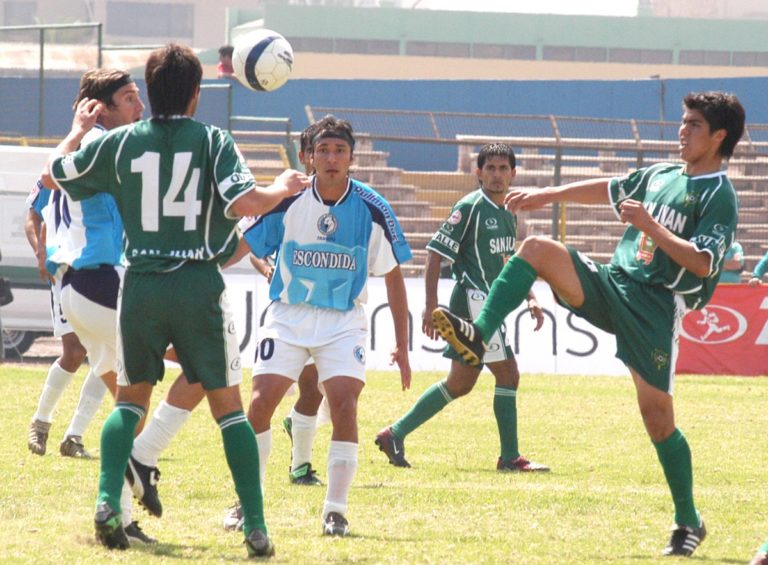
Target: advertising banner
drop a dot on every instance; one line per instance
(729, 336)
(566, 344)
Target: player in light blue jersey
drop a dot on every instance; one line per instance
(327, 240)
(41, 230)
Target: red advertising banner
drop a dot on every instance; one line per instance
(729, 336)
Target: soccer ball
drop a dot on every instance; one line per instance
(262, 60)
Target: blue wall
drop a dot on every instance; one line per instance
(608, 99)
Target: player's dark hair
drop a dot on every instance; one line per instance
(226, 51)
(173, 75)
(305, 139)
(496, 150)
(101, 84)
(331, 126)
(722, 110)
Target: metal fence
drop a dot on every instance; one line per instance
(550, 150)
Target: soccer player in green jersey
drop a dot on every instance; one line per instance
(180, 186)
(477, 239)
(681, 220)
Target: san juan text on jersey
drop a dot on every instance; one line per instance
(701, 209)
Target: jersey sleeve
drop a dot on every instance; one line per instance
(88, 170)
(716, 228)
(233, 177)
(631, 186)
(264, 234)
(38, 198)
(448, 237)
(387, 247)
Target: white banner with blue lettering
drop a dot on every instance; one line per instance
(566, 344)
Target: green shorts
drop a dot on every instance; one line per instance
(467, 303)
(186, 308)
(644, 318)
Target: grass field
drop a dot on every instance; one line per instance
(604, 501)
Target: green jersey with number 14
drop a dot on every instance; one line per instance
(701, 209)
(174, 181)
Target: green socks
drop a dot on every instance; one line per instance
(243, 460)
(434, 399)
(675, 457)
(507, 292)
(505, 410)
(116, 444)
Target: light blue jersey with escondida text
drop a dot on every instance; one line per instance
(326, 250)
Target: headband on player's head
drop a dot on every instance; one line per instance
(326, 133)
(105, 94)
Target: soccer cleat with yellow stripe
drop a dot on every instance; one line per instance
(460, 334)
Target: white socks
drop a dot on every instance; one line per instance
(342, 465)
(165, 423)
(126, 504)
(91, 395)
(264, 441)
(55, 383)
(303, 431)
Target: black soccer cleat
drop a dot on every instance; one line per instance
(334, 524)
(460, 334)
(305, 475)
(393, 447)
(136, 535)
(143, 480)
(685, 540)
(109, 528)
(258, 544)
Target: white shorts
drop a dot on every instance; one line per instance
(94, 323)
(60, 324)
(496, 348)
(292, 333)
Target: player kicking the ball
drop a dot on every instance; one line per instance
(681, 221)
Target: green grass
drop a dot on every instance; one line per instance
(604, 501)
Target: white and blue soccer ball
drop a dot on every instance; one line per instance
(262, 60)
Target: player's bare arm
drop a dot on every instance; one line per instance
(241, 251)
(261, 200)
(263, 266)
(681, 251)
(537, 313)
(33, 226)
(86, 114)
(431, 277)
(398, 305)
(594, 191)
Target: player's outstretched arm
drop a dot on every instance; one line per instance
(86, 114)
(594, 191)
(261, 199)
(398, 305)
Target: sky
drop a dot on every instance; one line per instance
(575, 7)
